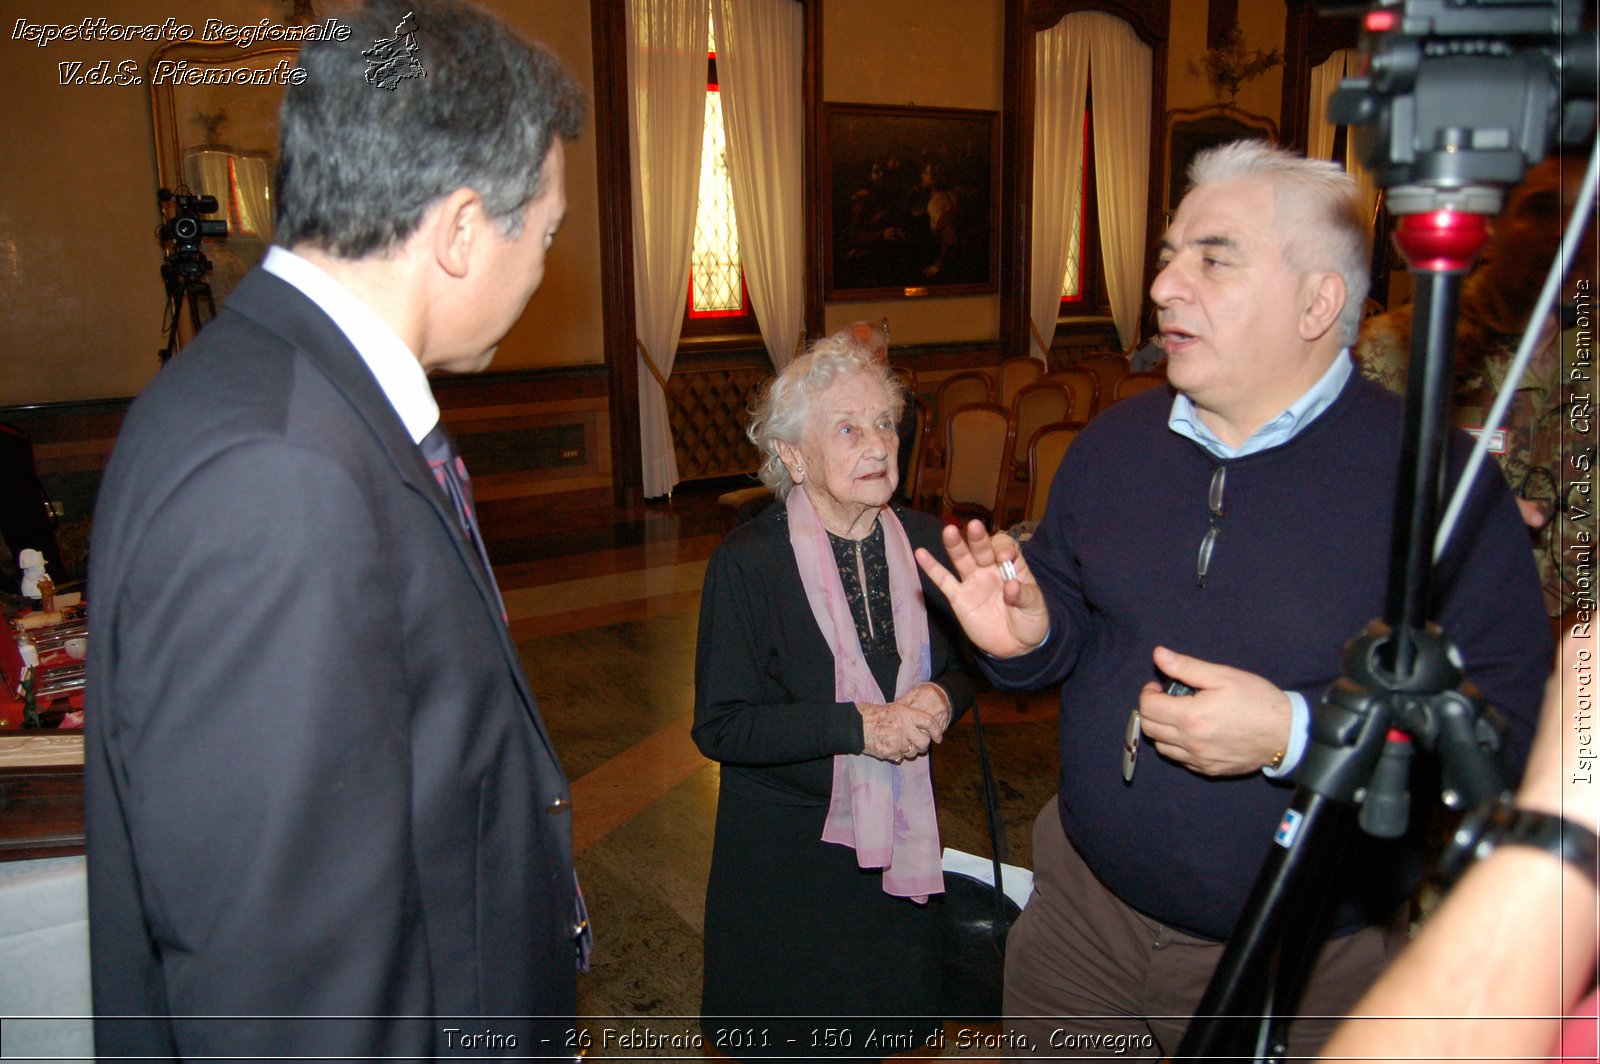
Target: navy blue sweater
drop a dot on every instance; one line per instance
(1299, 567)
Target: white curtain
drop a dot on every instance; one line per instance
(239, 182)
(666, 110)
(1121, 68)
(760, 45)
(1060, 85)
(1319, 131)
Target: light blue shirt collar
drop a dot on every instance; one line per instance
(1185, 421)
(392, 363)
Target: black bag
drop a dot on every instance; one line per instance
(974, 921)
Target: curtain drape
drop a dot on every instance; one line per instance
(760, 47)
(666, 111)
(240, 184)
(1120, 66)
(1060, 83)
(1320, 132)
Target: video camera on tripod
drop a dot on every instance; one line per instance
(1458, 100)
(184, 269)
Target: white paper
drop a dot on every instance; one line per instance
(1018, 882)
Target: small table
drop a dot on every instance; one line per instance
(41, 794)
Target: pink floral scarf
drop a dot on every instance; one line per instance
(884, 811)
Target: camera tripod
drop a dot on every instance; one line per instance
(187, 287)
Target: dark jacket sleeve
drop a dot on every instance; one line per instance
(760, 695)
(285, 796)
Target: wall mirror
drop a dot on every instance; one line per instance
(217, 134)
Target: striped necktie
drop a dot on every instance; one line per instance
(451, 473)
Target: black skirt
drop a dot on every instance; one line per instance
(805, 955)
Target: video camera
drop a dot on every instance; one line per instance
(187, 227)
(184, 268)
(1461, 94)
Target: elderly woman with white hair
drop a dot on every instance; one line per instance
(827, 667)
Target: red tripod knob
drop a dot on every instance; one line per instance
(1441, 241)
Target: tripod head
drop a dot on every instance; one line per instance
(1460, 97)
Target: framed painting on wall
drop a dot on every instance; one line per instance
(910, 205)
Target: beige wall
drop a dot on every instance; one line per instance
(81, 295)
(563, 324)
(917, 53)
(1261, 21)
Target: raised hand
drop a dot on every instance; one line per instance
(1001, 608)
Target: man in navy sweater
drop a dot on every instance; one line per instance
(1232, 537)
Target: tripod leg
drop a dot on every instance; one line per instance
(174, 312)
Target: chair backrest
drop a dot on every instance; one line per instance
(1035, 406)
(908, 377)
(963, 389)
(1045, 451)
(977, 449)
(1108, 368)
(1134, 383)
(1015, 374)
(922, 426)
(1085, 390)
(956, 391)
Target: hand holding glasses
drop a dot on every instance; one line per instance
(1130, 740)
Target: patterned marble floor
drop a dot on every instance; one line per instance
(604, 607)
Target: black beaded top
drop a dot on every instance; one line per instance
(865, 562)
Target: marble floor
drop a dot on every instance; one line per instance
(603, 605)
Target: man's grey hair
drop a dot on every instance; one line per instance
(360, 164)
(781, 413)
(1318, 212)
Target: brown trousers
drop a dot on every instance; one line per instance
(1089, 977)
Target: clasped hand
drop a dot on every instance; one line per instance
(1002, 615)
(907, 727)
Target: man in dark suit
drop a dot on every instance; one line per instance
(324, 814)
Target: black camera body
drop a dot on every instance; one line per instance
(187, 227)
(1468, 93)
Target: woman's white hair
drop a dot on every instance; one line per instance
(780, 414)
(1319, 213)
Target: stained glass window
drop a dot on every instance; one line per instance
(716, 273)
(716, 270)
(1072, 280)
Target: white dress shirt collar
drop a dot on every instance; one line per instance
(392, 363)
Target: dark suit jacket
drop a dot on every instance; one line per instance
(316, 781)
